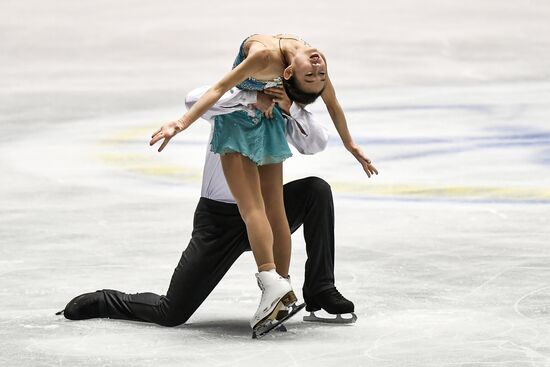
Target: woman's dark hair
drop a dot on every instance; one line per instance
(296, 94)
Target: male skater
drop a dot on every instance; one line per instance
(219, 234)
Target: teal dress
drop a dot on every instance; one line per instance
(249, 133)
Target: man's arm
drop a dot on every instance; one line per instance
(304, 132)
(234, 99)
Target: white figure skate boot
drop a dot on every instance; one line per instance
(277, 295)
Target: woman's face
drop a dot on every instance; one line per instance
(310, 70)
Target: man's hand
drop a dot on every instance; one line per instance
(267, 98)
(279, 96)
(265, 104)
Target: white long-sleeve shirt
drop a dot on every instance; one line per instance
(302, 132)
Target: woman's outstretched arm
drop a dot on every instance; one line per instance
(254, 63)
(339, 119)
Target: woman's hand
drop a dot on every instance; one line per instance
(167, 132)
(365, 162)
(279, 96)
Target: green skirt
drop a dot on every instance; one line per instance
(260, 139)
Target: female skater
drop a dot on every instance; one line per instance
(253, 147)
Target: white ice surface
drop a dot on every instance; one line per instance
(445, 254)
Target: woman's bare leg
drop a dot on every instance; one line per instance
(243, 180)
(271, 181)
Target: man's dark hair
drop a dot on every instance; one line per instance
(296, 94)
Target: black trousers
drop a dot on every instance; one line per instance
(218, 239)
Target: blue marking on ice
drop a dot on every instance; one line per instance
(481, 108)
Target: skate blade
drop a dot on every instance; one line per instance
(337, 320)
(263, 329)
(280, 310)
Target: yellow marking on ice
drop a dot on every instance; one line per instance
(137, 133)
(149, 165)
(144, 164)
(443, 191)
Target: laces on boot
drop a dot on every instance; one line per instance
(335, 294)
(260, 284)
